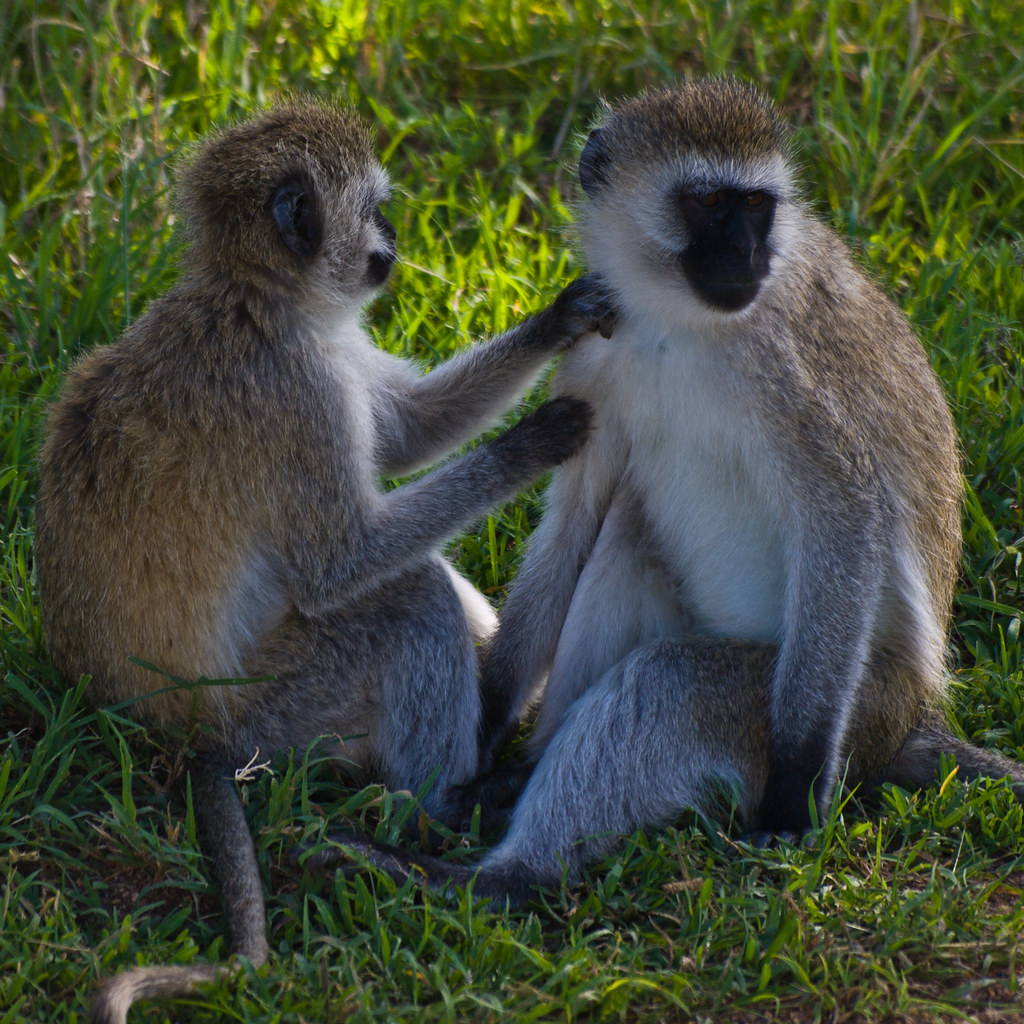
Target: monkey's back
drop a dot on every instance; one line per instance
(891, 417)
(151, 500)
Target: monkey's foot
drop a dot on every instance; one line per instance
(762, 839)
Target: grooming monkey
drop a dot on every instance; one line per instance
(745, 576)
(209, 498)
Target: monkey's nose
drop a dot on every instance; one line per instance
(379, 265)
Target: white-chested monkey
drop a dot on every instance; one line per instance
(209, 497)
(745, 576)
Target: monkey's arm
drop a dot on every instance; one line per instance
(832, 599)
(421, 418)
(348, 555)
(521, 651)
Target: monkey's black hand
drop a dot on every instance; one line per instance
(547, 436)
(495, 791)
(351, 851)
(498, 724)
(585, 306)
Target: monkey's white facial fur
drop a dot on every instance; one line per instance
(638, 242)
(358, 248)
(689, 232)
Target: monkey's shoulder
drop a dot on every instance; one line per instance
(838, 347)
(219, 392)
(831, 310)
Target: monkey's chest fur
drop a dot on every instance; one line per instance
(704, 490)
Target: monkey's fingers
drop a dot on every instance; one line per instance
(550, 434)
(588, 304)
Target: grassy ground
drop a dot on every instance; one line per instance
(905, 907)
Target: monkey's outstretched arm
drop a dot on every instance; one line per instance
(352, 558)
(521, 651)
(832, 600)
(422, 418)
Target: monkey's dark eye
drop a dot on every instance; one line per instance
(755, 199)
(711, 199)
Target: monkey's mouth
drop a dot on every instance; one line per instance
(729, 284)
(728, 295)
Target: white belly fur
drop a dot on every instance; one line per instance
(710, 490)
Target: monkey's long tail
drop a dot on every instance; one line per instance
(351, 850)
(920, 759)
(227, 842)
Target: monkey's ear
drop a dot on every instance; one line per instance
(297, 218)
(593, 161)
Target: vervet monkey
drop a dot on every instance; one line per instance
(209, 498)
(745, 576)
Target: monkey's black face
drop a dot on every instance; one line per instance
(727, 257)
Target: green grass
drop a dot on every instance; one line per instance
(911, 124)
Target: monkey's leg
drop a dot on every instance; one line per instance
(662, 731)
(517, 658)
(394, 674)
(429, 710)
(620, 600)
(623, 600)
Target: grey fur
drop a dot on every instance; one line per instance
(785, 476)
(209, 498)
